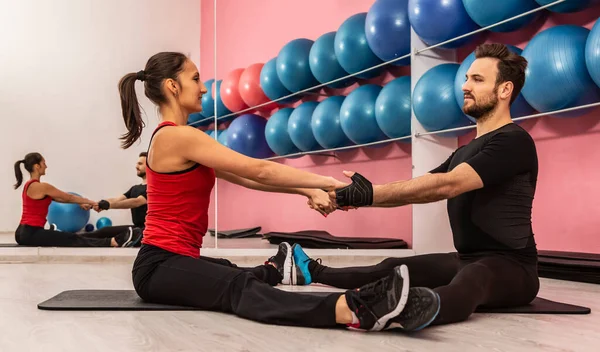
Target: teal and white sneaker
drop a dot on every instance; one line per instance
(301, 275)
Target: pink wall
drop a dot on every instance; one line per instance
(566, 204)
(254, 31)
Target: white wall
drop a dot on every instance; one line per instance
(60, 62)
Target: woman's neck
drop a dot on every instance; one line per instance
(35, 176)
(174, 114)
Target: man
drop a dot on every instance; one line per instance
(489, 184)
(134, 199)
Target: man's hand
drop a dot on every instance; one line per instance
(103, 205)
(320, 201)
(358, 194)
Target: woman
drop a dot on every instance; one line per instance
(181, 167)
(37, 197)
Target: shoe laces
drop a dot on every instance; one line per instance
(372, 293)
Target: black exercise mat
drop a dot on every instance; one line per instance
(323, 239)
(129, 300)
(238, 233)
(570, 266)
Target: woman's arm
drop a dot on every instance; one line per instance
(317, 199)
(197, 146)
(45, 189)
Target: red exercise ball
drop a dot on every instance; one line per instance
(250, 89)
(230, 94)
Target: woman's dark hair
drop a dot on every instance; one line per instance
(30, 161)
(159, 67)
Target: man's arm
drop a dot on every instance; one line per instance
(128, 203)
(317, 199)
(427, 188)
(117, 199)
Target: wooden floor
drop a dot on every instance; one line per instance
(25, 328)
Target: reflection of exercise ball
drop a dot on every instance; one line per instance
(433, 100)
(103, 222)
(388, 30)
(520, 107)
(68, 217)
(436, 21)
(557, 76)
(230, 91)
(486, 13)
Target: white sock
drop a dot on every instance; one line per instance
(354, 318)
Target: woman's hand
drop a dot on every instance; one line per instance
(320, 201)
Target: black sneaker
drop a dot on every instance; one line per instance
(421, 310)
(283, 262)
(136, 237)
(378, 302)
(123, 239)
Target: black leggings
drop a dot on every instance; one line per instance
(212, 284)
(37, 236)
(463, 284)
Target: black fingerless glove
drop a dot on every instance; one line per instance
(104, 205)
(357, 194)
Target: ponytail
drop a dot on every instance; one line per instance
(131, 110)
(18, 173)
(161, 66)
(30, 161)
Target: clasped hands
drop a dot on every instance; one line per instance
(357, 194)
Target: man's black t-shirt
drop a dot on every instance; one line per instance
(497, 217)
(138, 215)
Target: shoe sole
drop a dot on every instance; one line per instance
(436, 302)
(382, 322)
(128, 238)
(288, 266)
(434, 316)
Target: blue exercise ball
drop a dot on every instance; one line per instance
(272, 86)
(352, 50)
(433, 100)
(569, 5)
(592, 53)
(324, 64)
(222, 137)
(357, 115)
(557, 76)
(392, 108)
(89, 227)
(436, 21)
(68, 217)
(388, 30)
(103, 222)
(208, 103)
(221, 108)
(293, 67)
(277, 134)
(196, 119)
(299, 127)
(486, 13)
(326, 125)
(520, 107)
(246, 135)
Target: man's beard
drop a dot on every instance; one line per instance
(480, 110)
(141, 174)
